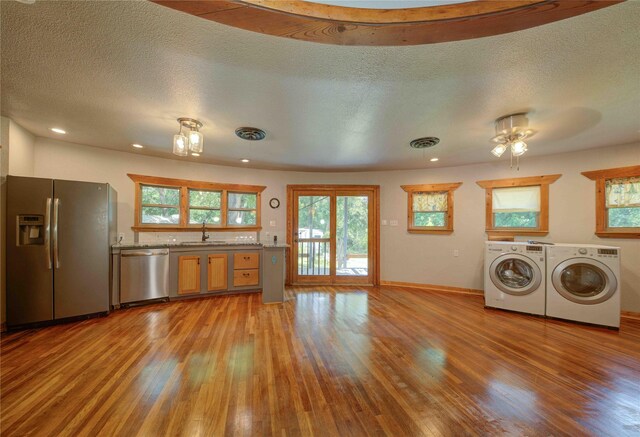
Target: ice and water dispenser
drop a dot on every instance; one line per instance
(30, 230)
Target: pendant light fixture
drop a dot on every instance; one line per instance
(511, 130)
(192, 141)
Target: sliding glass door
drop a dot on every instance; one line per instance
(334, 236)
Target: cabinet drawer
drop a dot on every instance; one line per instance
(248, 260)
(242, 278)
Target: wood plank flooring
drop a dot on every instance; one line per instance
(337, 361)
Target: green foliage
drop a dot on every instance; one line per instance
(624, 217)
(313, 216)
(528, 219)
(160, 195)
(152, 214)
(241, 201)
(208, 216)
(430, 219)
(241, 218)
(354, 210)
(207, 199)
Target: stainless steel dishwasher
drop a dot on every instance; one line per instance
(144, 275)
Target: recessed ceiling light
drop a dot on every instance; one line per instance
(245, 160)
(433, 159)
(58, 130)
(137, 146)
(195, 154)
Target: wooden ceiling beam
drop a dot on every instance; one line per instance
(384, 27)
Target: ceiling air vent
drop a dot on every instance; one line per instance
(425, 142)
(250, 133)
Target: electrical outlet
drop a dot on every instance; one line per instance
(120, 236)
(393, 222)
(272, 223)
(456, 252)
(384, 223)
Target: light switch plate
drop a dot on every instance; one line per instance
(272, 223)
(456, 252)
(393, 222)
(384, 223)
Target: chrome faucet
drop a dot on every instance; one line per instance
(205, 237)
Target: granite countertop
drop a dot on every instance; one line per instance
(274, 246)
(181, 244)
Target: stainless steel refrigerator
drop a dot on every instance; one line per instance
(59, 235)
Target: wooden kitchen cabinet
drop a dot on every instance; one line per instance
(217, 272)
(246, 269)
(246, 260)
(188, 274)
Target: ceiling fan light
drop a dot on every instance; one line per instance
(180, 145)
(518, 148)
(196, 141)
(499, 150)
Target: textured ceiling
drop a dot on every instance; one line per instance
(113, 73)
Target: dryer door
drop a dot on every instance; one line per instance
(584, 280)
(515, 274)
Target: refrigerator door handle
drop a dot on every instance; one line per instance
(56, 206)
(47, 231)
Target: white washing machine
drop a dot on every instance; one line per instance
(583, 283)
(514, 276)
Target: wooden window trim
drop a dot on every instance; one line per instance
(185, 185)
(543, 219)
(430, 188)
(600, 177)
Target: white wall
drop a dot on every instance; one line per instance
(405, 257)
(21, 150)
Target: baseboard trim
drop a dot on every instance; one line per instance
(433, 287)
(630, 315)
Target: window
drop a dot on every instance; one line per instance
(164, 204)
(160, 205)
(430, 208)
(518, 206)
(617, 201)
(241, 209)
(204, 207)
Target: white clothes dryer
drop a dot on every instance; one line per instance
(583, 283)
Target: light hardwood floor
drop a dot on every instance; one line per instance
(330, 361)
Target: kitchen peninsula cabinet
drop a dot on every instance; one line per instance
(219, 269)
(203, 269)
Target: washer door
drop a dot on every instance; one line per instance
(584, 281)
(515, 274)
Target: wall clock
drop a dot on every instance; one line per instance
(274, 203)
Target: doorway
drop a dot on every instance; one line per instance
(333, 232)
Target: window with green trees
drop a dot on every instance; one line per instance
(430, 207)
(160, 205)
(518, 206)
(166, 204)
(204, 207)
(622, 199)
(617, 201)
